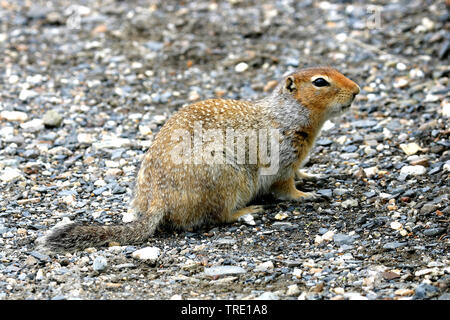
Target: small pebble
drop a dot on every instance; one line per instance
(241, 67)
(100, 264)
(149, 254)
(293, 290)
(264, 267)
(13, 116)
(223, 270)
(268, 296)
(52, 119)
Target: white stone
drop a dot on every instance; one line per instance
(341, 139)
(6, 132)
(111, 164)
(13, 79)
(33, 125)
(14, 116)
(387, 133)
(446, 166)
(432, 97)
(193, 96)
(297, 272)
(60, 150)
(129, 215)
(10, 174)
(341, 37)
(423, 272)
(69, 199)
(39, 275)
(147, 254)
(160, 118)
(349, 203)
(265, 266)
(410, 148)
(445, 108)
(328, 236)
(145, 130)
(112, 143)
(25, 94)
(318, 239)
(281, 216)
(401, 82)
(241, 67)
(401, 66)
(293, 290)
(100, 183)
(416, 73)
(248, 219)
(385, 196)
(354, 296)
(413, 170)
(396, 225)
(339, 290)
(86, 138)
(427, 23)
(268, 296)
(370, 172)
(328, 125)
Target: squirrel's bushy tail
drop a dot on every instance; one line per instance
(75, 236)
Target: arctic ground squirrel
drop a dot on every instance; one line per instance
(213, 157)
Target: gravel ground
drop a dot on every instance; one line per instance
(85, 86)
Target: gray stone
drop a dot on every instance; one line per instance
(328, 193)
(429, 208)
(341, 239)
(3, 229)
(100, 264)
(364, 123)
(52, 119)
(433, 232)
(40, 256)
(394, 245)
(425, 290)
(223, 270)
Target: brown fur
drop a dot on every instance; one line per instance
(188, 195)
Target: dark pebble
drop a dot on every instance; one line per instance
(425, 290)
(433, 232)
(328, 193)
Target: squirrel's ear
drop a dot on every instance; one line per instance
(290, 84)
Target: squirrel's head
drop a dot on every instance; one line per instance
(323, 90)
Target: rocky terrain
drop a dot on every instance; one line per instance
(86, 85)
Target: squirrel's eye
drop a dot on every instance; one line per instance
(320, 82)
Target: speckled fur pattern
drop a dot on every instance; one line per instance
(190, 194)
